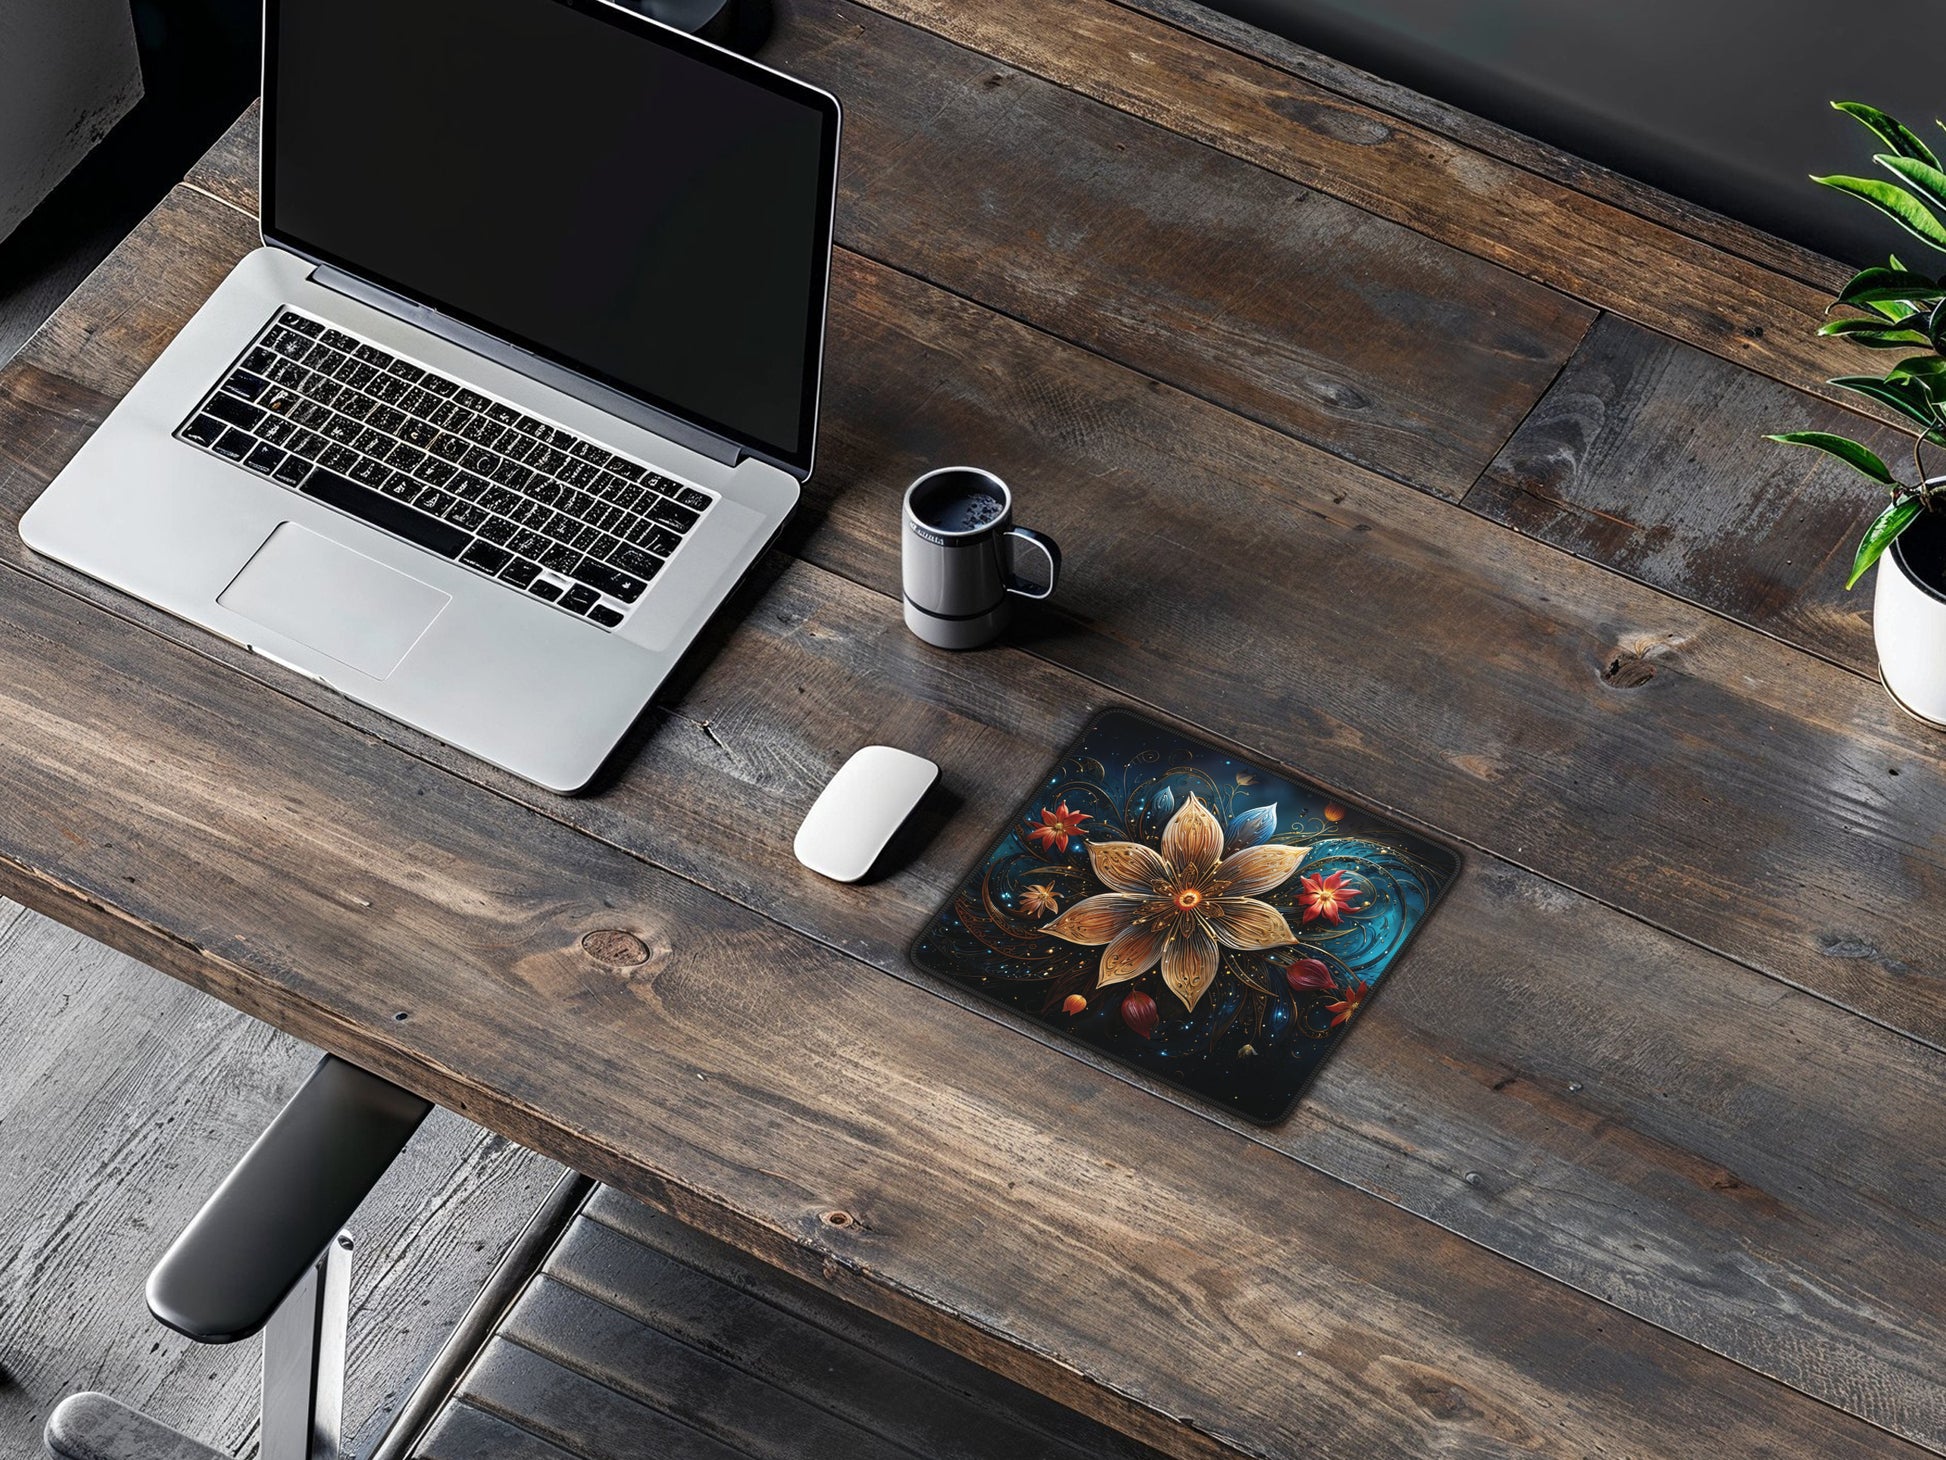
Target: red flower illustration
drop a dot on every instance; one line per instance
(1057, 826)
(1353, 1000)
(1328, 897)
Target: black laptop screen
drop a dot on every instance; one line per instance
(618, 198)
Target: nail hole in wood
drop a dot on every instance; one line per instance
(838, 1219)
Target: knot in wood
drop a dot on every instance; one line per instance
(613, 946)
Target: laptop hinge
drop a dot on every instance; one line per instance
(568, 382)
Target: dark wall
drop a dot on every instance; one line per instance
(1720, 101)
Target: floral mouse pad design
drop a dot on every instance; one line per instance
(1176, 906)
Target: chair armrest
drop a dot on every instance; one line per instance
(269, 1221)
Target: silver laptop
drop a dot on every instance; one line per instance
(523, 380)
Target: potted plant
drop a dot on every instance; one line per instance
(1896, 308)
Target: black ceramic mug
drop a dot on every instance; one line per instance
(959, 558)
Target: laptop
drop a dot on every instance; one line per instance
(522, 381)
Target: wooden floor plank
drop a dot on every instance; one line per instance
(1647, 457)
(1584, 246)
(124, 1098)
(787, 1083)
(465, 1433)
(579, 1414)
(805, 680)
(795, 1337)
(756, 1418)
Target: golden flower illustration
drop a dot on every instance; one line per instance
(1181, 908)
(1038, 897)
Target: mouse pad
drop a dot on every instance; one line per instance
(1177, 906)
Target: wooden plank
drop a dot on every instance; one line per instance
(465, 1433)
(1646, 457)
(468, 1433)
(791, 1101)
(1586, 247)
(794, 1337)
(706, 1392)
(1519, 656)
(1480, 135)
(581, 1415)
(806, 680)
(124, 1098)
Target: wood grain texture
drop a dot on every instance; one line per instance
(1647, 456)
(1181, 261)
(124, 1098)
(1476, 134)
(1584, 246)
(804, 680)
(1528, 699)
(756, 1087)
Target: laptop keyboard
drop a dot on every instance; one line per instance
(471, 478)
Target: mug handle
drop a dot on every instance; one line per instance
(1050, 550)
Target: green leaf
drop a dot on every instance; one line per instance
(1889, 286)
(1903, 396)
(1880, 535)
(1876, 334)
(1936, 324)
(1889, 130)
(1895, 202)
(1857, 457)
(1925, 179)
(1921, 368)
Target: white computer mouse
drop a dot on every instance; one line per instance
(857, 813)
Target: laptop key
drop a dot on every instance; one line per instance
(604, 579)
(245, 384)
(658, 540)
(561, 559)
(292, 472)
(670, 514)
(469, 487)
(264, 458)
(234, 412)
(381, 511)
(543, 589)
(470, 515)
(578, 599)
(486, 557)
(338, 458)
(277, 431)
(302, 324)
(520, 572)
(432, 500)
(633, 560)
(602, 614)
(371, 473)
(203, 430)
(498, 529)
(234, 444)
(694, 500)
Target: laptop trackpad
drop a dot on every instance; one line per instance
(322, 595)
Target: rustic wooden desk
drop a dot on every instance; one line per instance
(1393, 447)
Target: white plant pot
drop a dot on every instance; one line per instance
(1909, 619)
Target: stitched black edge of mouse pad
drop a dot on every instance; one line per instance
(1183, 909)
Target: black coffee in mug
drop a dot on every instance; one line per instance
(957, 502)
